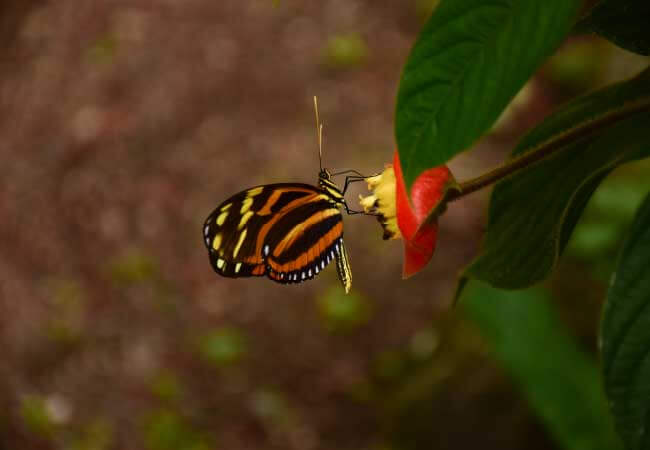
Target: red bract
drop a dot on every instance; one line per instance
(419, 234)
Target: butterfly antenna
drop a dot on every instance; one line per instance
(319, 133)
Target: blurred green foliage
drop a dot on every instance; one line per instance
(166, 386)
(343, 312)
(36, 417)
(576, 66)
(271, 407)
(66, 322)
(167, 430)
(345, 51)
(598, 235)
(133, 267)
(424, 8)
(97, 435)
(223, 346)
(560, 382)
(625, 335)
(390, 364)
(423, 344)
(103, 50)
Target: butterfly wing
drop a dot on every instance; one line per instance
(287, 231)
(304, 241)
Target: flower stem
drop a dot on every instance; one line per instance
(548, 148)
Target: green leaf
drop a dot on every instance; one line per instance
(559, 381)
(624, 22)
(469, 61)
(533, 212)
(625, 336)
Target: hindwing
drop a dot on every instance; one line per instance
(288, 232)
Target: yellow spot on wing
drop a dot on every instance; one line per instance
(222, 218)
(246, 205)
(226, 207)
(216, 242)
(244, 219)
(242, 236)
(255, 191)
(237, 267)
(220, 263)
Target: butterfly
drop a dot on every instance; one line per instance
(288, 232)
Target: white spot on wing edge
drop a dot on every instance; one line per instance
(206, 230)
(266, 250)
(309, 273)
(322, 264)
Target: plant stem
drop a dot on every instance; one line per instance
(547, 148)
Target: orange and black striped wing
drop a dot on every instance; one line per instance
(288, 232)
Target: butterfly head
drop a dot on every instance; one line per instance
(326, 184)
(324, 175)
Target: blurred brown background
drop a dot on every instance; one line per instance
(123, 123)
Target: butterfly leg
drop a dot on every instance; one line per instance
(352, 212)
(351, 179)
(350, 171)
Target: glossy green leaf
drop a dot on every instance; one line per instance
(624, 22)
(469, 61)
(559, 381)
(625, 336)
(533, 213)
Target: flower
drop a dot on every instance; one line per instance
(382, 201)
(415, 220)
